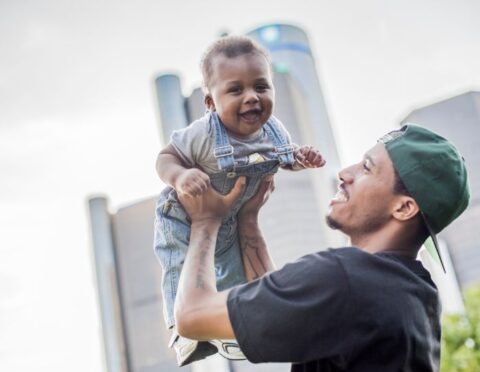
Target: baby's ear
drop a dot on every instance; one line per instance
(209, 104)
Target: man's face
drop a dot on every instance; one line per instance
(241, 92)
(365, 198)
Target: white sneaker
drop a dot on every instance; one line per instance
(228, 349)
(189, 351)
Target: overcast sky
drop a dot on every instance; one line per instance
(78, 117)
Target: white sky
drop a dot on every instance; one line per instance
(78, 116)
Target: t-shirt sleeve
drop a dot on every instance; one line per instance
(299, 313)
(194, 142)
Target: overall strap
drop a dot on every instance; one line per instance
(222, 151)
(283, 149)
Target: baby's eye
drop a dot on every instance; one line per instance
(365, 166)
(261, 87)
(234, 90)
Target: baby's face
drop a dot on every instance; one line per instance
(241, 92)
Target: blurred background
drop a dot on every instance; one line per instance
(80, 128)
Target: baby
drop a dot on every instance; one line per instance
(237, 137)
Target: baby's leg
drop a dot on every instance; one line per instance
(171, 244)
(228, 258)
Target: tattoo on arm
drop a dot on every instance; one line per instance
(203, 260)
(251, 247)
(201, 269)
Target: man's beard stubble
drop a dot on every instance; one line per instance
(334, 225)
(371, 224)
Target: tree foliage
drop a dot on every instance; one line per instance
(461, 336)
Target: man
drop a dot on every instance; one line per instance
(368, 307)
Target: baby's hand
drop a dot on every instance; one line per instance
(307, 157)
(192, 182)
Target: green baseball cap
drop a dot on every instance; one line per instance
(434, 173)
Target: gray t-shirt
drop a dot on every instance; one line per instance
(195, 144)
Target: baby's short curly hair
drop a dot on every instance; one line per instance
(230, 47)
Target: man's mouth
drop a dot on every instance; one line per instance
(251, 116)
(341, 196)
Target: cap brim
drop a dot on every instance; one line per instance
(432, 246)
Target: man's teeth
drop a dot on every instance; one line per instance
(340, 196)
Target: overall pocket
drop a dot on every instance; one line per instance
(227, 235)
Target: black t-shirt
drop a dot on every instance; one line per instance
(341, 310)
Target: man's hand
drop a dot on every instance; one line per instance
(307, 157)
(211, 204)
(192, 182)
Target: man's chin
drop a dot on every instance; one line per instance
(332, 223)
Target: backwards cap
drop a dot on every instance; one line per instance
(434, 173)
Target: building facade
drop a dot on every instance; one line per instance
(458, 119)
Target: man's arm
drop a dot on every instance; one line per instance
(256, 257)
(200, 311)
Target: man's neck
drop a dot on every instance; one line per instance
(385, 241)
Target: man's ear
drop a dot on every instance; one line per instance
(209, 104)
(405, 208)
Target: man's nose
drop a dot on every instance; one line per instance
(346, 174)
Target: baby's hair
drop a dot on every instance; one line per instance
(230, 47)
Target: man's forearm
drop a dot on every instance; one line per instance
(198, 272)
(200, 311)
(256, 258)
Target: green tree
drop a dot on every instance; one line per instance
(461, 336)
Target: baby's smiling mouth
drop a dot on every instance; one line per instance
(251, 116)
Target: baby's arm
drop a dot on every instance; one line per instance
(172, 171)
(306, 157)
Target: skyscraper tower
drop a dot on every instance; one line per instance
(290, 52)
(302, 108)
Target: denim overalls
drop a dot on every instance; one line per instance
(172, 224)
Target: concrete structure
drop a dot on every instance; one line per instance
(292, 220)
(135, 337)
(169, 94)
(106, 273)
(458, 119)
